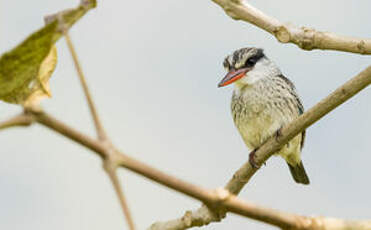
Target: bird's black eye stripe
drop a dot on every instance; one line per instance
(254, 59)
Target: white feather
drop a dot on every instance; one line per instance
(263, 68)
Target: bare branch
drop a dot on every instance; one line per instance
(110, 168)
(98, 125)
(203, 215)
(218, 203)
(109, 152)
(304, 37)
(19, 120)
(290, 221)
(277, 218)
(59, 127)
(103, 149)
(121, 159)
(220, 199)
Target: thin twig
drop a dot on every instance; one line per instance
(98, 124)
(102, 136)
(304, 37)
(203, 215)
(19, 120)
(110, 168)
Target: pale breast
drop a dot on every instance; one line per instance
(251, 118)
(258, 112)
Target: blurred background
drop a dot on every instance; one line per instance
(153, 67)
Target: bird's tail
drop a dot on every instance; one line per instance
(298, 173)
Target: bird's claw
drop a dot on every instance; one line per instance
(252, 160)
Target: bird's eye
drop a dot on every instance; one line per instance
(250, 62)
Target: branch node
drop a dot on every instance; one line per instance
(33, 109)
(307, 41)
(282, 34)
(187, 218)
(222, 194)
(311, 223)
(361, 46)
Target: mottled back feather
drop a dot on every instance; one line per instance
(300, 105)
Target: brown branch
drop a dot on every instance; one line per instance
(109, 152)
(19, 120)
(61, 128)
(304, 37)
(110, 167)
(98, 124)
(290, 221)
(103, 148)
(203, 215)
(270, 216)
(220, 201)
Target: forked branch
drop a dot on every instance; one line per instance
(109, 165)
(220, 201)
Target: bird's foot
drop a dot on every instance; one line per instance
(252, 159)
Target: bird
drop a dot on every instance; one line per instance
(264, 101)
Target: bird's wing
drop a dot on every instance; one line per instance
(301, 111)
(300, 105)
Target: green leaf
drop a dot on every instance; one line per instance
(41, 88)
(20, 67)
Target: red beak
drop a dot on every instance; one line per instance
(233, 76)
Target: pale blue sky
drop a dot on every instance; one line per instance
(153, 67)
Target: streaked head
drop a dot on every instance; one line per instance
(246, 66)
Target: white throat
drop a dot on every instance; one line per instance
(263, 68)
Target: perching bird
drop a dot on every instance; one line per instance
(263, 102)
